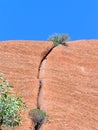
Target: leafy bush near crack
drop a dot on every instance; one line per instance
(59, 39)
(38, 117)
(11, 106)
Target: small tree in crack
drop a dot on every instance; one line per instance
(10, 106)
(59, 39)
(38, 117)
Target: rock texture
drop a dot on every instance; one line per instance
(63, 81)
(69, 91)
(19, 61)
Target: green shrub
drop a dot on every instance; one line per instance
(59, 39)
(10, 106)
(38, 117)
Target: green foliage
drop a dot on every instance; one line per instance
(10, 105)
(59, 39)
(38, 117)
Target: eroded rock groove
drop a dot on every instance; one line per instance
(38, 76)
(43, 60)
(40, 81)
(40, 86)
(37, 127)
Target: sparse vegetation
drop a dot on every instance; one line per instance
(59, 39)
(10, 106)
(38, 117)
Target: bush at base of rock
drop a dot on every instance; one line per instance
(38, 117)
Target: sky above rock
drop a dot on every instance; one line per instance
(38, 19)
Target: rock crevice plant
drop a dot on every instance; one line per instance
(38, 117)
(59, 39)
(10, 106)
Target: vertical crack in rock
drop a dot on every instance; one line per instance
(44, 57)
(38, 76)
(40, 86)
(38, 125)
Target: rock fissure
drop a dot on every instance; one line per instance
(44, 57)
(40, 86)
(39, 71)
(38, 125)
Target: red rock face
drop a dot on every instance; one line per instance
(67, 77)
(69, 91)
(19, 61)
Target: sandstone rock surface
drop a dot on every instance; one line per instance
(19, 62)
(69, 93)
(63, 81)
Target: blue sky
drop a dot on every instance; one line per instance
(38, 19)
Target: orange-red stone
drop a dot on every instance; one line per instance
(69, 91)
(69, 77)
(19, 62)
